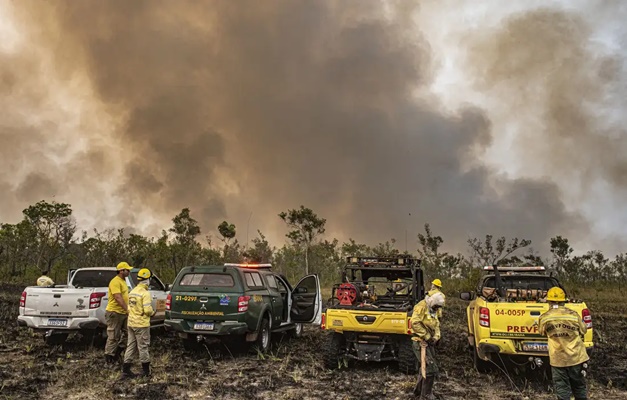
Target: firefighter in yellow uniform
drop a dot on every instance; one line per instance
(567, 352)
(436, 287)
(45, 280)
(139, 312)
(116, 313)
(426, 327)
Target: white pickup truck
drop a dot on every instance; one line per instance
(80, 305)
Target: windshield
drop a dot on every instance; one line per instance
(92, 278)
(523, 282)
(207, 279)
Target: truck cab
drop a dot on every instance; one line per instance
(503, 316)
(240, 300)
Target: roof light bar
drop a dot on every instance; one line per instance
(245, 265)
(505, 268)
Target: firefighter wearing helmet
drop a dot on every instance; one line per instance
(565, 329)
(116, 313)
(436, 287)
(426, 327)
(139, 312)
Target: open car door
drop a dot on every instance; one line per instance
(307, 301)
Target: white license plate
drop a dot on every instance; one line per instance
(57, 322)
(541, 347)
(203, 326)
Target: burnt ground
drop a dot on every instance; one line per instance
(29, 369)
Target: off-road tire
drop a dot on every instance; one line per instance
(333, 352)
(407, 361)
(481, 366)
(264, 336)
(297, 331)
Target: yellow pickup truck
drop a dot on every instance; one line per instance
(368, 315)
(503, 316)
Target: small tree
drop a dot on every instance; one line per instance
(487, 253)
(184, 245)
(306, 227)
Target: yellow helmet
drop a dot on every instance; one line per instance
(124, 265)
(437, 283)
(143, 274)
(556, 294)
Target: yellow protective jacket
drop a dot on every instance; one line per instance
(565, 330)
(139, 307)
(44, 281)
(424, 323)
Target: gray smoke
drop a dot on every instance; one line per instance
(229, 108)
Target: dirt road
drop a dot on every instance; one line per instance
(293, 370)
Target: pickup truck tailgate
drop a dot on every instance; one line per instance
(520, 320)
(57, 302)
(368, 321)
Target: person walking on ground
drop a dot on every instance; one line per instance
(45, 280)
(426, 327)
(567, 352)
(139, 312)
(116, 314)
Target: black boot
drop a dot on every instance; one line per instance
(109, 359)
(418, 386)
(427, 388)
(118, 353)
(146, 369)
(126, 371)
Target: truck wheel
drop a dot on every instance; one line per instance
(263, 336)
(190, 343)
(407, 361)
(481, 365)
(297, 331)
(333, 352)
(55, 338)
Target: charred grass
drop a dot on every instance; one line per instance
(29, 369)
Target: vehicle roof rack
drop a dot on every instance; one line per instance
(382, 262)
(247, 265)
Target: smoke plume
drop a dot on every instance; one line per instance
(131, 111)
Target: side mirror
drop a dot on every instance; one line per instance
(466, 296)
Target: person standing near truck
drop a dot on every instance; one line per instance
(139, 312)
(565, 329)
(116, 313)
(426, 327)
(45, 280)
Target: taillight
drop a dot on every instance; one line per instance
(23, 300)
(409, 329)
(242, 303)
(587, 318)
(484, 317)
(95, 299)
(168, 302)
(323, 322)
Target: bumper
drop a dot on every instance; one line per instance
(73, 324)
(510, 348)
(219, 329)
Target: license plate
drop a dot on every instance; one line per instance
(57, 322)
(203, 326)
(540, 347)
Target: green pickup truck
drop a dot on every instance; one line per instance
(241, 300)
